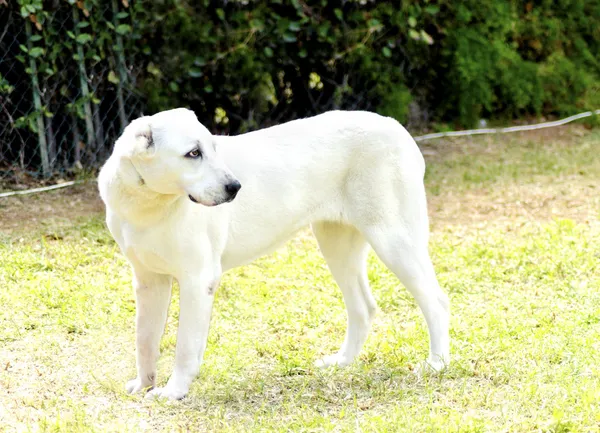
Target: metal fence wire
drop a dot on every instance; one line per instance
(63, 101)
(69, 71)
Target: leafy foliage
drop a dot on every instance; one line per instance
(457, 61)
(241, 65)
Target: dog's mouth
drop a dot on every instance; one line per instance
(199, 202)
(230, 199)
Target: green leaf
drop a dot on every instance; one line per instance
(323, 29)
(123, 29)
(208, 88)
(414, 34)
(289, 37)
(112, 77)
(70, 34)
(386, 52)
(82, 24)
(282, 25)
(221, 14)
(32, 125)
(412, 21)
(174, 86)
(23, 48)
(195, 72)
(302, 53)
(268, 52)
(199, 61)
(432, 9)
(122, 15)
(257, 24)
(294, 26)
(36, 52)
(35, 38)
(83, 38)
(151, 68)
(339, 14)
(426, 37)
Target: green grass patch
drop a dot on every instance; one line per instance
(525, 327)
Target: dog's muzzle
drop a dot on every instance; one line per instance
(231, 189)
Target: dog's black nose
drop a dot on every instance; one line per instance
(233, 188)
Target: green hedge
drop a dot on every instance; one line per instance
(246, 64)
(457, 61)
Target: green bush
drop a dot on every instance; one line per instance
(242, 64)
(459, 61)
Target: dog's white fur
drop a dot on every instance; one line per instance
(355, 177)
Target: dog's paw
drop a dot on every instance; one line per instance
(136, 385)
(430, 367)
(331, 360)
(168, 393)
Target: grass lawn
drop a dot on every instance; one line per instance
(516, 245)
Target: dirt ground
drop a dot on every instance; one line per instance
(23, 212)
(566, 198)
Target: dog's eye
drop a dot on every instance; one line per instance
(194, 154)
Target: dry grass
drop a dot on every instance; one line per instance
(515, 243)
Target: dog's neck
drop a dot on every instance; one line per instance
(128, 195)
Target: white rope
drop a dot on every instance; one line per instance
(419, 138)
(42, 189)
(509, 129)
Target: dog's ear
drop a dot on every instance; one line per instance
(138, 138)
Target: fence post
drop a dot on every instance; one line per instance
(41, 130)
(120, 66)
(76, 140)
(89, 125)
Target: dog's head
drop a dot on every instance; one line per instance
(175, 154)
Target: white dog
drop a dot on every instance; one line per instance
(183, 203)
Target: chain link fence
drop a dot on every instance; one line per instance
(73, 73)
(63, 100)
(69, 71)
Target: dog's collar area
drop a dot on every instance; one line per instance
(141, 180)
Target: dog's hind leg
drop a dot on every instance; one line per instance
(345, 251)
(403, 249)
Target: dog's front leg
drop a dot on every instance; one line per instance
(153, 293)
(196, 301)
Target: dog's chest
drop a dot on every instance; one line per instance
(151, 248)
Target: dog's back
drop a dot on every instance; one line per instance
(346, 167)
